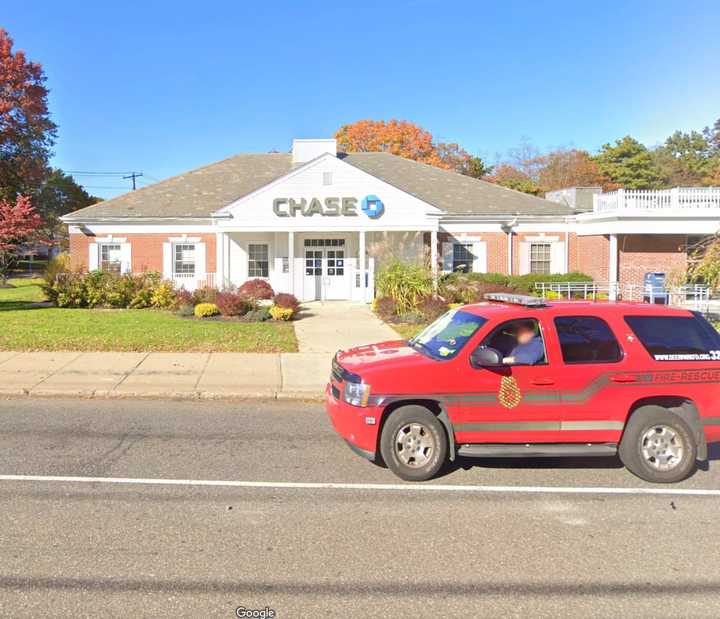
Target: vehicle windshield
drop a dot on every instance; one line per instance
(445, 337)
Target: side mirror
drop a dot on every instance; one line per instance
(484, 357)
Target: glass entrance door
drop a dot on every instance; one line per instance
(325, 270)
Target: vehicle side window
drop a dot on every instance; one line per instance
(676, 338)
(503, 338)
(586, 339)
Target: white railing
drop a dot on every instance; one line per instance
(658, 201)
(693, 296)
(193, 281)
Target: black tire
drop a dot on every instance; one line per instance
(424, 445)
(649, 424)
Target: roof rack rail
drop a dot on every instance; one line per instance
(515, 299)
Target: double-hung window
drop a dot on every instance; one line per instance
(184, 259)
(110, 257)
(462, 258)
(540, 258)
(258, 261)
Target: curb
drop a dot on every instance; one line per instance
(100, 394)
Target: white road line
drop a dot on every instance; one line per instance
(291, 485)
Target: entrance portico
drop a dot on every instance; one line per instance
(321, 231)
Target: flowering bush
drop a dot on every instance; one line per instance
(233, 304)
(256, 289)
(281, 313)
(283, 299)
(205, 310)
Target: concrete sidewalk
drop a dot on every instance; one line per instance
(166, 375)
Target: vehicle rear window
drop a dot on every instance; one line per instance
(677, 338)
(586, 339)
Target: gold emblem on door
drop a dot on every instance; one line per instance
(509, 394)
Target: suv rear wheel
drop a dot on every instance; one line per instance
(658, 445)
(413, 443)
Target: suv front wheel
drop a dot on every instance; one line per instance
(413, 443)
(658, 445)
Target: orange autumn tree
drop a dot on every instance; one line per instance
(402, 138)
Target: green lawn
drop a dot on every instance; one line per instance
(407, 331)
(25, 326)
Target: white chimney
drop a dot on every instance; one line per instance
(307, 150)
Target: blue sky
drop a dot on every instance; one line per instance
(162, 87)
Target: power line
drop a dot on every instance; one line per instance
(83, 173)
(133, 176)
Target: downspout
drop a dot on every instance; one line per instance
(508, 229)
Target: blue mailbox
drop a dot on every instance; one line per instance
(654, 290)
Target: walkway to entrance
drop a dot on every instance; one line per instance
(333, 325)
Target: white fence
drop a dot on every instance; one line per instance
(658, 201)
(193, 281)
(694, 296)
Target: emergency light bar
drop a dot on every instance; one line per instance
(516, 299)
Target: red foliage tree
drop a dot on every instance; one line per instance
(19, 224)
(26, 131)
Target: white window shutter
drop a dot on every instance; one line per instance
(125, 258)
(200, 261)
(524, 255)
(479, 250)
(557, 257)
(167, 261)
(447, 257)
(94, 257)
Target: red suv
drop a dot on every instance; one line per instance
(520, 377)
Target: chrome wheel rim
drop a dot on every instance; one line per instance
(414, 445)
(662, 448)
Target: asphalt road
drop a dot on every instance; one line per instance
(109, 549)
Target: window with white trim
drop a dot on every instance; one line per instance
(462, 258)
(258, 261)
(541, 258)
(110, 257)
(184, 258)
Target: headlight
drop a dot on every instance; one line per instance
(356, 394)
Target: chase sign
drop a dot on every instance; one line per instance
(371, 205)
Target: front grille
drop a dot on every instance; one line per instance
(337, 372)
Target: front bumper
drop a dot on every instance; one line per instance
(357, 425)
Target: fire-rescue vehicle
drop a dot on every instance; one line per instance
(635, 380)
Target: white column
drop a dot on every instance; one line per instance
(434, 255)
(613, 267)
(219, 259)
(361, 265)
(291, 262)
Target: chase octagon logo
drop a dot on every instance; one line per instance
(372, 206)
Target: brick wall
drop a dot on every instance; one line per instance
(593, 257)
(640, 253)
(146, 253)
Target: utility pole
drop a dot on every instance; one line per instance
(133, 176)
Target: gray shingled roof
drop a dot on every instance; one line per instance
(201, 192)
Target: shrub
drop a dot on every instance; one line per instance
(405, 283)
(526, 283)
(432, 307)
(411, 318)
(283, 299)
(204, 295)
(205, 310)
(281, 313)
(184, 297)
(163, 296)
(185, 310)
(385, 307)
(233, 304)
(57, 265)
(256, 289)
(471, 287)
(257, 315)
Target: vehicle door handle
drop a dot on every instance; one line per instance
(623, 378)
(542, 381)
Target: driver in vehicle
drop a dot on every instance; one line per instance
(529, 349)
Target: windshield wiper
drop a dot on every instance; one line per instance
(422, 345)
